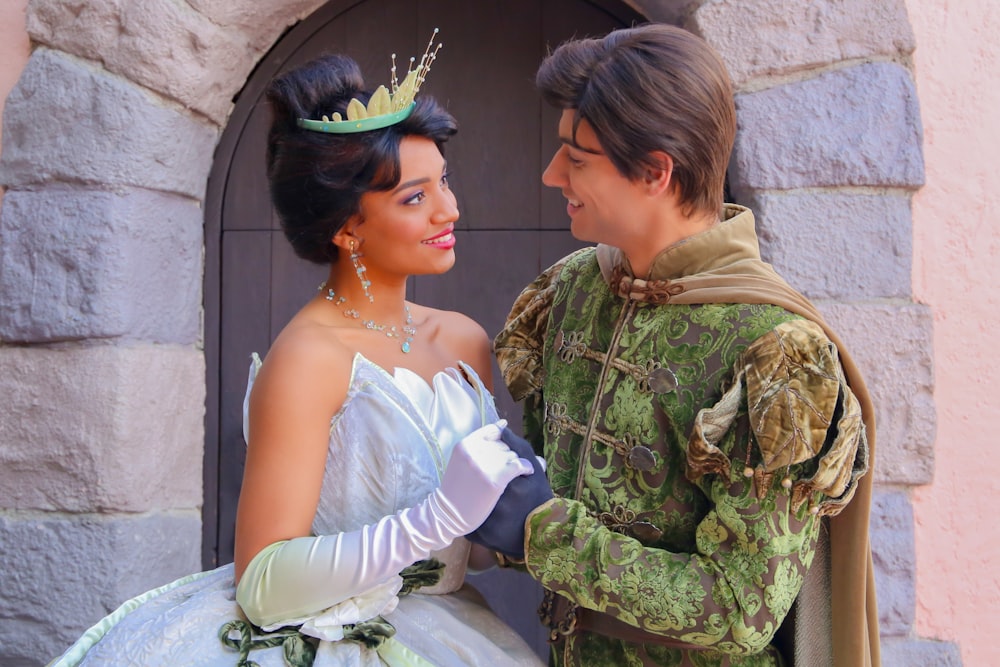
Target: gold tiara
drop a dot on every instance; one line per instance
(384, 108)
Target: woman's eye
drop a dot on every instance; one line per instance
(444, 180)
(415, 198)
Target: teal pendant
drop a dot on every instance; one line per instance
(405, 346)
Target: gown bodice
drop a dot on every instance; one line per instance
(391, 440)
(389, 445)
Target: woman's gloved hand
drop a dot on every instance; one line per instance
(294, 580)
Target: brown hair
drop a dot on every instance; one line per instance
(650, 88)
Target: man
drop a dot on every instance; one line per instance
(703, 429)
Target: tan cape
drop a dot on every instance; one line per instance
(741, 276)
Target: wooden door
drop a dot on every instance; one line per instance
(511, 226)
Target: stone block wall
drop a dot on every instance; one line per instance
(828, 154)
(101, 440)
(108, 140)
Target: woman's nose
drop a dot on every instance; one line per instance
(447, 210)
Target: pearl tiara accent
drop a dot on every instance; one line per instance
(384, 108)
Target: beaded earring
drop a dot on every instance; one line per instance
(361, 270)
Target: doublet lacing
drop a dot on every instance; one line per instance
(635, 455)
(656, 292)
(625, 521)
(650, 376)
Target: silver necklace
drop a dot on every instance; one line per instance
(404, 333)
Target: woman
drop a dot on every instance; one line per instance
(373, 441)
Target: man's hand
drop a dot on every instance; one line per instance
(503, 530)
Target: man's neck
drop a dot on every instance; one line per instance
(667, 231)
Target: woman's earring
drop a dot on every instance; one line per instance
(361, 270)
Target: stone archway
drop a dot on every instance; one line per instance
(108, 143)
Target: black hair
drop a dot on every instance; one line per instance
(317, 179)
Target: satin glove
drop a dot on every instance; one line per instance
(503, 530)
(292, 581)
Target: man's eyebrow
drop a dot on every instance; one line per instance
(572, 144)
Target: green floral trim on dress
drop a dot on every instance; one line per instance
(300, 650)
(297, 649)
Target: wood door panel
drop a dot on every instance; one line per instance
(293, 283)
(484, 78)
(373, 31)
(245, 296)
(246, 199)
(554, 245)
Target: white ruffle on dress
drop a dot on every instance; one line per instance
(389, 445)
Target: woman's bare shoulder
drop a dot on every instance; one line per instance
(306, 363)
(462, 338)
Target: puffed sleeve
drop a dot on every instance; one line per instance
(518, 346)
(784, 444)
(800, 411)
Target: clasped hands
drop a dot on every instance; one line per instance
(503, 530)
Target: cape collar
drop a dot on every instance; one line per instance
(730, 244)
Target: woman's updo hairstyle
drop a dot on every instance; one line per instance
(317, 179)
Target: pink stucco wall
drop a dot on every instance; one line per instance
(13, 46)
(956, 272)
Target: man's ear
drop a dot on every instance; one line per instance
(658, 179)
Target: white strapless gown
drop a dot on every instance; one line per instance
(389, 445)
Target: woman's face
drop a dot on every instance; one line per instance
(409, 230)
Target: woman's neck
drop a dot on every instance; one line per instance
(378, 299)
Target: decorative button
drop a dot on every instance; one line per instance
(645, 531)
(662, 380)
(641, 458)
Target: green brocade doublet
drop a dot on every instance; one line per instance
(638, 396)
(633, 375)
(694, 448)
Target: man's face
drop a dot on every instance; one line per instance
(602, 204)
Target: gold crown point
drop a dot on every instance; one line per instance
(356, 110)
(379, 103)
(385, 106)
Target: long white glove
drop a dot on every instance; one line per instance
(296, 579)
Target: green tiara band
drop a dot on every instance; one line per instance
(360, 125)
(383, 108)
